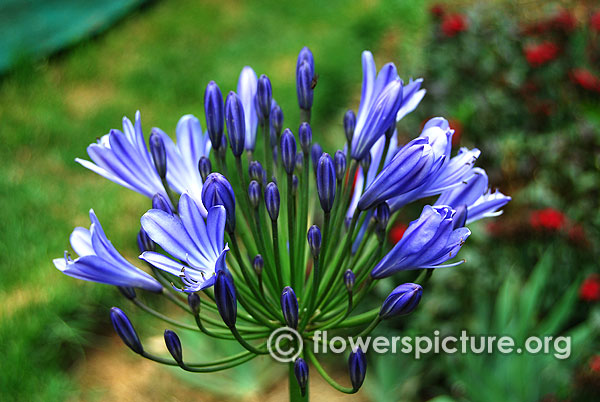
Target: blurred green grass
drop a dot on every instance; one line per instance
(157, 60)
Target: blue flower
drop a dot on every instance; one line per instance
(100, 262)
(412, 166)
(384, 100)
(246, 90)
(182, 159)
(428, 242)
(481, 202)
(452, 172)
(122, 157)
(188, 237)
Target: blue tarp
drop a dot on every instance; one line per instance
(30, 29)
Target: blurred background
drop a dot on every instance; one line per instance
(518, 79)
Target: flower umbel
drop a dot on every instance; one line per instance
(307, 230)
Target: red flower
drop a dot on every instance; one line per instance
(595, 363)
(547, 219)
(564, 21)
(396, 232)
(457, 126)
(541, 54)
(453, 24)
(590, 288)
(437, 10)
(595, 21)
(585, 79)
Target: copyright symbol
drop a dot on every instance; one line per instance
(281, 344)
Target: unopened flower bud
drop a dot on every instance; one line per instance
(194, 303)
(272, 200)
(144, 241)
(218, 191)
(204, 167)
(403, 300)
(174, 346)
(326, 182)
(159, 154)
(160, 202)
(264, 95)
(288, 151)
(349, 124)
(225, 298)
(305, 137)
(254, 193)
(258, 264)
(236, 123)
(125, 330)
(213, 108)
(349, 279)
(357, 365)
(301, 373)
(289, 307)
(340, 165)
(314, 240)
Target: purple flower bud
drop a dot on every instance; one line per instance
(349, 124)
(305, 71)
(174, 346)
(326, 182)
(222, 150)
(194, 303)
(264, 95)
(304, 86)
(125, 330)
(299, 160)
(128, 292)
(305, 136)
(159, 154)
(349, 279)
(258, 264)
(256, 171)
(272, 200)
(225, 298)
(276, 120)
(460, 217)
(160, 202)
(340, 165)
(236, 123)
(382, 215)
(315, 154)
(145, 243)
(289, 307)
(357, 365)
(314, 240)
(204, 167)
(365, 163)
(218, 191)
(301, 373)
(288, 151)
(403, 300)
(213, 108)
(254, 193)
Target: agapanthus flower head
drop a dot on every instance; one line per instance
(246, 89)
(191, 238)
(428, 242)
(100, 262)
(371, 177)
